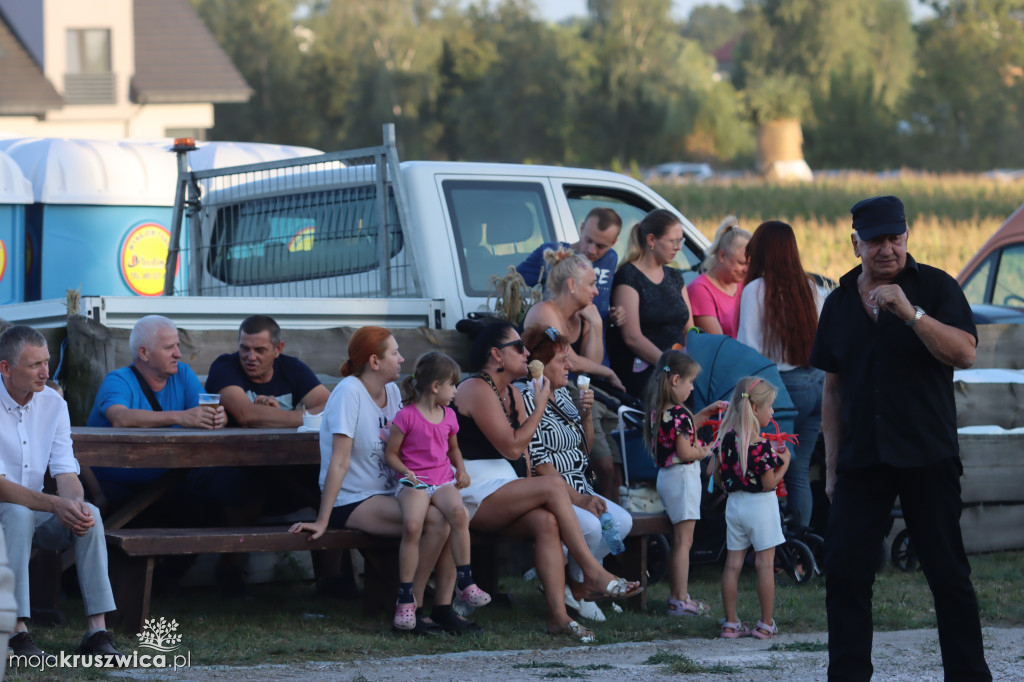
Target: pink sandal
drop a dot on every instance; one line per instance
(405, 616)
(738, 630)
(473, 596)
(765, 631)
(685, 607)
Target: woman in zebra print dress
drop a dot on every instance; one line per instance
(560, 446)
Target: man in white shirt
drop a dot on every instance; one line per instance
(35, 433)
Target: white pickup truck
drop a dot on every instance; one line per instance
(355, 237)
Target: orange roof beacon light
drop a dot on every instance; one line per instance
(184, 144)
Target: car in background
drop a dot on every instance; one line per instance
(681, 172)
(993, 279)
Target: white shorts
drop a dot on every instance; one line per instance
(429, 490)
(753, 519)
(485, 477)
(679, 490)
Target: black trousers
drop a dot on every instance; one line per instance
(930, 498)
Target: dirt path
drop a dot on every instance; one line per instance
(909, 655)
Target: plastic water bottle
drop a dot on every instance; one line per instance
(611, 534)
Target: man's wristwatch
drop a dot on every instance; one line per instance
(918, 316)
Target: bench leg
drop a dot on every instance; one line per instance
(380, 580)
(635, 561)
(132, 581)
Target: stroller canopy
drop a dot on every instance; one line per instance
(724, 361)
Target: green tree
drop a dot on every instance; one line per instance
(712, 26)
(259, 36)
(853, 128)
(811, 40)
(967, 107)
(656, 92)
(375, 62)
(513, 86)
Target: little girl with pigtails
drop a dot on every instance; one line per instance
(749, 468)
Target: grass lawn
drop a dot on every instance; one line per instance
(287, 622)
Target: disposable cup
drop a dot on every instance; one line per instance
(209, 398)
(312, 421)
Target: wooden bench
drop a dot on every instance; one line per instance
(133, 554)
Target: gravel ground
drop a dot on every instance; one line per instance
(904, 656)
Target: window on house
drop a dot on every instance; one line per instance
(89, 50)
(89, 78)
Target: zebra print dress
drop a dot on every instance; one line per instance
(557, 442)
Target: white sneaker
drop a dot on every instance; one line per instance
(587, 610)
(590, 611)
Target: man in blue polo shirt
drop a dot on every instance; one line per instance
(259, 385)
(598, 233)
(888, 339)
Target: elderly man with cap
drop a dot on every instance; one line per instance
(888, 339)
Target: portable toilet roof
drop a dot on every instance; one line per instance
(125, 172)
(226, 154)
(94, 172)
(14, 186)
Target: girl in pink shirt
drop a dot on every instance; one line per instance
(422, 448)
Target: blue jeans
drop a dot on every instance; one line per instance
(805, 386)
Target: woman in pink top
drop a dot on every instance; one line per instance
(715, 294)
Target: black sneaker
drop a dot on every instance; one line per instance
(22, 647)
(455, 624)
(426, 626)
(99, 643)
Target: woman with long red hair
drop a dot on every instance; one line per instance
(779, 309)
(357, 485)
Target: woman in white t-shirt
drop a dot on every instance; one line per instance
(358, 487)
(779, 309)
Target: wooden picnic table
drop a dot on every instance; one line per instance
(173, 448)
(178, 450)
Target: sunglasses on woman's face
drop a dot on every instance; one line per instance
(517, 344)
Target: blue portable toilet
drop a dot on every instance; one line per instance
(15, 194)
(101, 213)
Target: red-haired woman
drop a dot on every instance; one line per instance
(358, 487)
(779, 309)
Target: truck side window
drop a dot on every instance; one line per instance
(976, 285)
(1008, 288)
(631, 208)
(302, 237)
(496, 224)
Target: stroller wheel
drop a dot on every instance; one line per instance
(903, 554)
(795, 562)
(657, 558)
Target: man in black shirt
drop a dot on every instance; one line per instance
(888, 339)
(260, 386)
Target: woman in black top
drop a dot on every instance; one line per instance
(492, 434)
(653, 297)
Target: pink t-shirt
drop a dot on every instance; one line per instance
(707, 299)
(425, 448)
